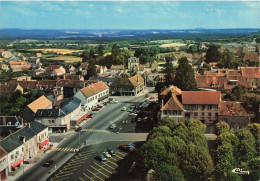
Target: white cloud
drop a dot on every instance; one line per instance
(50, 6)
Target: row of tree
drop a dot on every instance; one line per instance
(177, 151)
(238, 149)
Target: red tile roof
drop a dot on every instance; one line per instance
(70, 83)
(52, 67)
(40, 103)
(57, 70)
(201, 97)
(136, 80)
(173, 89)
(94, 89)
(251, 72)
(173, 104)
(251, 56)
(230, 108)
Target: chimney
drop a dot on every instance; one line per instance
(4, 120)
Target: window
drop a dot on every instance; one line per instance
(209, 107)
(202, 114)
(203, 107)
(22, 149)
(216, 107)
(52, 121)
(49, 121)
(209, 114)
(195, 106)
(12, 156)
(216, 114)
(195, 114)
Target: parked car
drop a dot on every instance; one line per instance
(132, 114)
(128, 147)
(129, 110)
(123, 109)
(48, 163)
(95, 109)
(100, 157)
(90, 116)
(145, 119)
(106, 154)
(99, 106)
(112, 126)
(111, 152)
(139, 119)
(78, 129)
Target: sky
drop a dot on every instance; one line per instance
(129, 14)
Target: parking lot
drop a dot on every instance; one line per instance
(84, 166)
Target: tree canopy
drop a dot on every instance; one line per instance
(185, 76)
(212, 54)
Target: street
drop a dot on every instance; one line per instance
(94, 131)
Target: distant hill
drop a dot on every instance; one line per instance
(78, 34)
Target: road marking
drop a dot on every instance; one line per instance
(103, 168)
(66, 171)
(87, 151)
(112, 163)
(96, 130)
(88, 176)
(58, 179)
(99, 171)
(119, 157)
(122, 153)
(81, 179)
(63, 175)
(77, 162)
(80, 157)
(109, 166)
(114, 159)
(95, 175)
(71, 166)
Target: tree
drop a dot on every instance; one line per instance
(196, 163)
(100, 50)
(184, 76)
(91, 54)
(168, 70)
(168, 172)
(212, 54)
(92, 69)
(227, 60)
(160, 131)
(222, 127)
(84, 56)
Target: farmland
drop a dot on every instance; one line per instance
(56, 50)
(67, 59)
(172, 45)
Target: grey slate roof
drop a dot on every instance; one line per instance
(38, 127)
(9, 119)
(10, 143)
(106, 80)
(49, 113)
(70, 105)
(26, 132)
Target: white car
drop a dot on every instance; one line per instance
(139, 119)
(132, 114)
(106, 154)
(123, 109)
(112, 126)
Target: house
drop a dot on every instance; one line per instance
(233, 114)
(127, 86)
(190, 105)
(3, 164)
(58, 120)
(253, 76)
(251, 56)
(70, 87)
(101, 69)
(93, 94)
(19, 65)
(42, 134)
(38, 54)
(83, 68)
(55, 70)
(133, 63)
(40, 103)
(9, 124)
(4, 67)
(107, 80)
(39, 71)
(70, 69)
(150, 79)
(21, 146)
(117, 68)
(10, 88)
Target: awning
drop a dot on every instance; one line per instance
(43, 143)
(17, 163)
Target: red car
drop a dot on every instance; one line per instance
(90, 116)
(128, 147)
